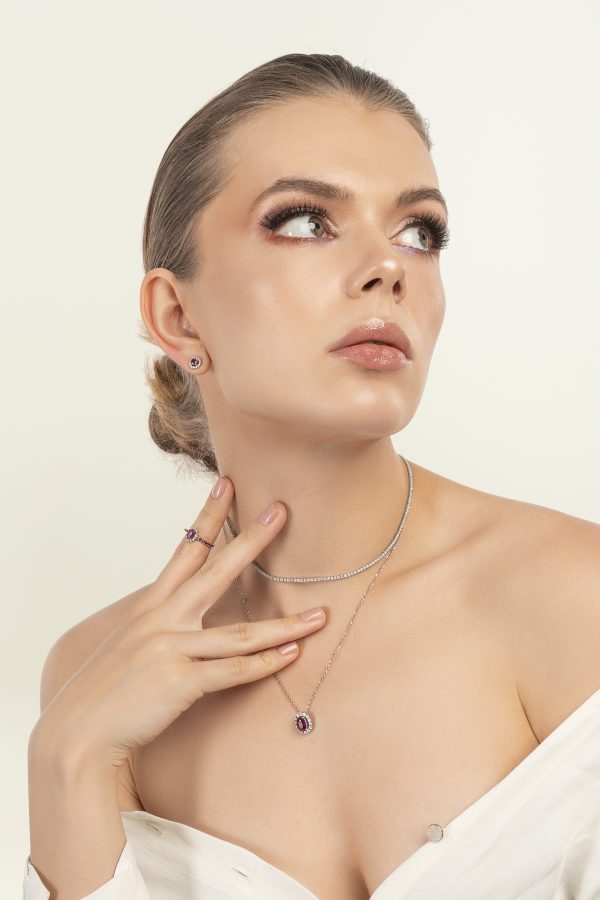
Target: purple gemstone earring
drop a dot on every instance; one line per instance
(195, 362)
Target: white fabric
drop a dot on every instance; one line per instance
(534, 836)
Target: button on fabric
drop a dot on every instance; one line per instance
(434, 832)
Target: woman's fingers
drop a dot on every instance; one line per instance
(242, 638)
(204, 587)
(189, 556)
(220, 674)
(219, 658)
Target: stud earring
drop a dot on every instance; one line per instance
(195, 362)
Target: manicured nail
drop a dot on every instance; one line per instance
(270, 513)
(218, 488)
(309, 615)
(288, 648)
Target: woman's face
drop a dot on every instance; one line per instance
(268, 303)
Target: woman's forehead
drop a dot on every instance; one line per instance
(317, 126)
(313, 139)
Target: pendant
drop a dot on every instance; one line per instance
(303, 723)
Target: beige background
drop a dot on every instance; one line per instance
(93, 93)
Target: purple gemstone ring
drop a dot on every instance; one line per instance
(192, 535)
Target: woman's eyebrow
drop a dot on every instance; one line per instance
(343, 194)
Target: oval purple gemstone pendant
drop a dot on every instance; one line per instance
(303, 723)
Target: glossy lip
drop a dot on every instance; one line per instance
(376, 329)
(379, 357)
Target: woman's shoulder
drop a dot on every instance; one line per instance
(541, 577)
(534, 573)
(507, 524)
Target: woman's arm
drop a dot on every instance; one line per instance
(76, 834)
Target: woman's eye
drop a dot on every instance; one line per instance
(314, 226)
(423, 237)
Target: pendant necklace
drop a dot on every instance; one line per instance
(303, 721)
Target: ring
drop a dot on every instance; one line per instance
(192, 535)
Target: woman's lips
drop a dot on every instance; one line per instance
(369, 355)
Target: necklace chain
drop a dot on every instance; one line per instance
(314, 578)
(387, 553)
(335, 652)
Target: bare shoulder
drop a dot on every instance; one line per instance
(76, 645)
(536, 573)
(552, 597)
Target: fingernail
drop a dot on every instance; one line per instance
(309, 615)
(218, 488)
(288, 648)
(270, 513)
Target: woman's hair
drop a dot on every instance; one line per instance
(192, 171)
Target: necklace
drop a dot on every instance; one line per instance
(352, 572)
(302, 720)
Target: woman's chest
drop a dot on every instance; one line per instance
(417, 718)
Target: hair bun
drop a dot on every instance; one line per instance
(177, 419)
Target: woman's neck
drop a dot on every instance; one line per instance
(344, 506)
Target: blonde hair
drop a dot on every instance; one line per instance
(191, 172)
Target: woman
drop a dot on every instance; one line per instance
(453, 750)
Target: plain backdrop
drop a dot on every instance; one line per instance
(92, 95)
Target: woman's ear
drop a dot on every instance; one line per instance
(161, 296)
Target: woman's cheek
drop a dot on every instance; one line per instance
(432, 317)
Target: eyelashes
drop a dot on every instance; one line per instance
(285, 211)
(435, 224)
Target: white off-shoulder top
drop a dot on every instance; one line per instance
(533, 836)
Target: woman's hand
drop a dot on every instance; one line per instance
(160, 659)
